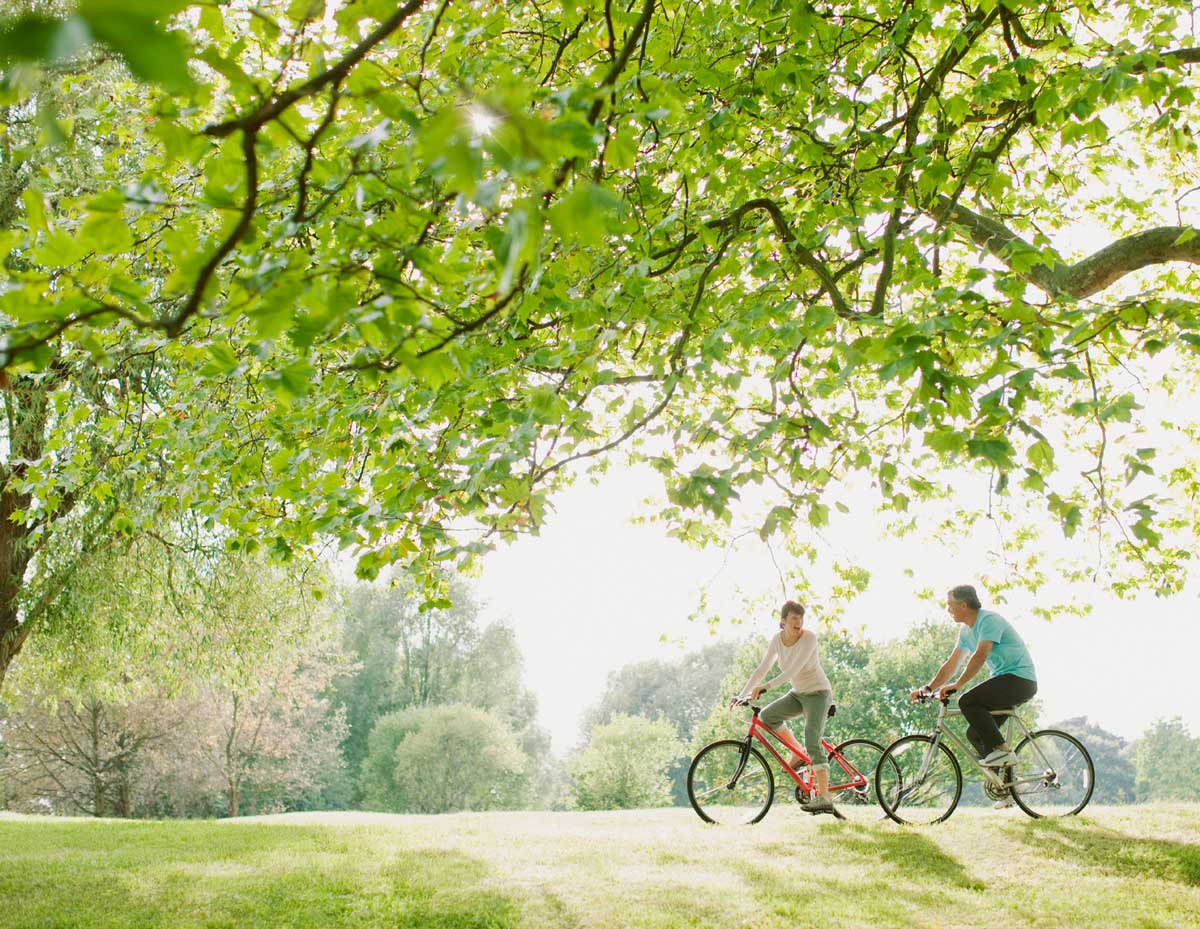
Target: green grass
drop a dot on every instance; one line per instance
(1115, 867)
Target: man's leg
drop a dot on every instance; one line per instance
(998, 693)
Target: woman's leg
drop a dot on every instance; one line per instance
(779, 711)
(816, 711)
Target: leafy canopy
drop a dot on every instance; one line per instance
(429, 257)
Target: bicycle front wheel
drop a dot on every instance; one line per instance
(854, 760)
(918, 781)
(719, 794)
(1053, 776)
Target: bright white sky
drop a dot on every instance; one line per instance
(594, 592)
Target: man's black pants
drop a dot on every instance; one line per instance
(998, 693)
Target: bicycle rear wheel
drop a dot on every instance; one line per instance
(918, 781)
(859, 803)
(714, 793)
(1053, 776)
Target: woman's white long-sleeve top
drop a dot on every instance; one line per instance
(799, 664)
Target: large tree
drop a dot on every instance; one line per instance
(406, 656)
(453, 249)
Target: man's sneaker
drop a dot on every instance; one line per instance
(1003, 803)
(998, 759)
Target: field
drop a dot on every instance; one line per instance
(1115, 867)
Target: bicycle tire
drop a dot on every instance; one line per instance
(855, 798)
(899, 790)
(717, 761)
(1071, 769)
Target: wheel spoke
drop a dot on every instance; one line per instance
(714, 793)
(856, 803)
(1054, 775)
(917, 781)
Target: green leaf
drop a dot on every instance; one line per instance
(58, 250)
(152, 54)
(586, 213)
(1041, 456)
(106, 234)
(41, 38)
(997, 451)
(35, 209)
(945, 441)
(290, 382)
(779, 515)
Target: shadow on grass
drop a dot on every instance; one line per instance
(188, 876)
(1112, 851)
(912, 854)
(888, 878)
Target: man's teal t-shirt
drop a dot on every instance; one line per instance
(1009, 654)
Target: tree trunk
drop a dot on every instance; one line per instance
(26, 408)
(94, 761)
(14, 558)
(233, 797)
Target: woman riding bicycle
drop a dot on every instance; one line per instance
(795, 650)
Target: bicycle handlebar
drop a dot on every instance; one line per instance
(924, 696)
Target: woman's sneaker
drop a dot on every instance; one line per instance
(814, 804)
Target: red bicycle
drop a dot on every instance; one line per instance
(730, 781)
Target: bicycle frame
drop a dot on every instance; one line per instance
(994, 776)
(759, 732)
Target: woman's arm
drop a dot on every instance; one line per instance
(752, 690)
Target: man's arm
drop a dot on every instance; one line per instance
(943, 672)
(972, 668)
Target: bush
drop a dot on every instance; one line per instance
(440, 759)
(625, 765)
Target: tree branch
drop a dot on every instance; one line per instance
(1088, 276)
(272, 108)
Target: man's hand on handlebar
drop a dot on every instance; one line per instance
(923, 693)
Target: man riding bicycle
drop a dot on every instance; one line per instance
(990, 639)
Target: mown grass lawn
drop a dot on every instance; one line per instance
(1114, 867)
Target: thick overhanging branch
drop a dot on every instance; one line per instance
(1086, 277)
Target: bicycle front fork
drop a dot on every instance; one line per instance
(741, 764)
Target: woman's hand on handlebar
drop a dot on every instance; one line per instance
(744, 699)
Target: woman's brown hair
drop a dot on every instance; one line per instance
(791, 607)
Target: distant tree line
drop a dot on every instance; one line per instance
(235, 690)
(194, 683)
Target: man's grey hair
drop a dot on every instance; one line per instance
(965, 593)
